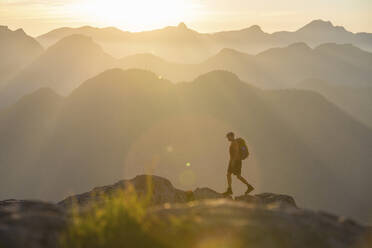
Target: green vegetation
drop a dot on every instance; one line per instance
(119, 220)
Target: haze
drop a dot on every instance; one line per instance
(39, 16)
(84, 102)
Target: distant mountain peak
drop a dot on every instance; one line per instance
(75, 39)
(255, 28)
(75, 43)
(39, 96)
(42, 92)
(299, 46)
(117, 74)
(218, 76)
(230, 51)
(320, 22)
(180, 28)
(182, 25)
(321, 25)
(19, 31)
(88, 27)
(116, 78)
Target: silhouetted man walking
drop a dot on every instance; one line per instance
(237, 147)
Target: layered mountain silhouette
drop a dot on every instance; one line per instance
(123, 123)
(346, 68)
(17, 49)
(76, 58)
(357, 101)
(273, 68)
(181, 44)
(174, 43)
(62, 67)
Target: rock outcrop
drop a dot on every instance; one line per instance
(225, 223)
(205, 193)
(162, 191)
(211, 220)
(30, 224)
(283, 201)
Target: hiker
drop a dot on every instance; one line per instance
(238, 152)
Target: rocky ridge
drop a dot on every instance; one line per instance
(164, 192)
(263, 220)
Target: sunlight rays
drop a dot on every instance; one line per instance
(134, 15)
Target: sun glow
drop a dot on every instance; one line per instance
(134, 15)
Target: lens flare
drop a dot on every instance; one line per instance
(169, 149)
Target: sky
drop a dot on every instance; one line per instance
(40, 16)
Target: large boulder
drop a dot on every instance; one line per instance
(30, 224)
(162, 191)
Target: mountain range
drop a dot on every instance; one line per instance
(273, 68)
(63, 66)
(123, 123)
(345, 71)
(17, 49)
(357, 101)
(182, 44)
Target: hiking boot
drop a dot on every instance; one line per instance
(228, 192)
(249, 190)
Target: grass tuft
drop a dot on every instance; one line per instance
(115, 221)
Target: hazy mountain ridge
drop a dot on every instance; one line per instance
(174, 43)
(273, 68)
(355, 100)
(181, 44)
(25, 129)
(17, 49)
(74, 59)
(127, 122)
(61, 67)
(343, 66)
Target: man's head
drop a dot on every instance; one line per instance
(230, 136)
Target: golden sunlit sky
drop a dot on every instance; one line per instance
(40, 16)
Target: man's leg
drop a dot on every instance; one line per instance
(229, 180)
(242, 179)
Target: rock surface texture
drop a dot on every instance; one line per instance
(30, 224)
(210, 219)
(226, 223)
(269, 199)
(162, 191)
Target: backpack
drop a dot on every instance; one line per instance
(243, 149)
